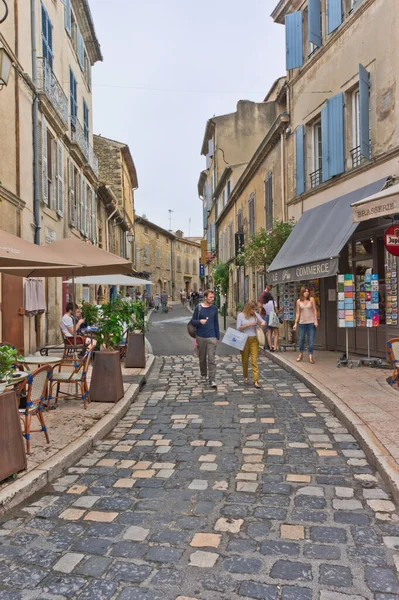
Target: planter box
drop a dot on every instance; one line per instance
(12, 445)
(106, 380)
(135, 354)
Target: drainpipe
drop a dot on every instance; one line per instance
(35, 121)
(106, 227)
(283, 205)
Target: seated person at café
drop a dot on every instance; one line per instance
(69, 324)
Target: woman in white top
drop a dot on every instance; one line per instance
(306, 316)
(269, 306)
(247, 322)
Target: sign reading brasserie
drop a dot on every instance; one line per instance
(391, 240)
(316, 270)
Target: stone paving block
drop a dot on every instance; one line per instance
(86, 501)
(291, 570)
(204, 560)
(136, 534)
(381, 505)
(292, 532)
(198, 484)
(292, 477)
(72, 514)
(206, 540)
(229, 525)
(101, 517)
(68, 562)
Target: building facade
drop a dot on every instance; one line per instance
(168, 259)
(49, 169)
(343, 146)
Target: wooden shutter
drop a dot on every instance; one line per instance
(300, 159)
(334, 15)
(94, 216)
(314, 22)
(80, 48)
(293, 40)
(59, 181)
(336, 149)
(324, 144)
(364, 117)
(44, 162)
(68, 17)
(86, 210)
(72, 198)
(81, 204)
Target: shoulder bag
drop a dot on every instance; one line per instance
(191, 328)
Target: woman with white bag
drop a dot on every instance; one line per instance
(247, 322)
(272, 320)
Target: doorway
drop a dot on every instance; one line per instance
(12, 320)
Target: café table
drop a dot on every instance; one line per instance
(39, 361)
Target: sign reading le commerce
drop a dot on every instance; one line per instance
(316, 270)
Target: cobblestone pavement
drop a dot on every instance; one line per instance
(209, 495)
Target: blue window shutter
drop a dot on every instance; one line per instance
(336, 151)
(300, 159)
(324, 144)
(73, 96)
(293, 40)
(314, 22)
(80, 48)
(334, 14)
(68, 17)
(364, 118)
(86, 120)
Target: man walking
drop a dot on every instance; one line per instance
(206, 320)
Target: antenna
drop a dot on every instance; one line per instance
(170, 219)
(189, 226)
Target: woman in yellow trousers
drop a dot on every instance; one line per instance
(247, 322)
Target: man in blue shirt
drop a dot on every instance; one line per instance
(206, 320)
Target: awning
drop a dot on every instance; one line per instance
(382, 204)
(110, 280)
(312, 249)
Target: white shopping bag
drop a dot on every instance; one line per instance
(236, 339)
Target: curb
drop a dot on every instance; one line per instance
(37, 479)
(375, 451)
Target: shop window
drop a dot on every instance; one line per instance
(363, 247)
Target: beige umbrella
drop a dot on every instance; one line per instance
(82, 258)
(16, 252)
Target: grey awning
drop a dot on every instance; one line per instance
(312, 249)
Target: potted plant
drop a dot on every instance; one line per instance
(135, 354)
(90, 313)
(106, 382)
(8, 357)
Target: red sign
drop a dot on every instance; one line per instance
(391, 240)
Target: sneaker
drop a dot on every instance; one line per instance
(203, 377)
(213, 384)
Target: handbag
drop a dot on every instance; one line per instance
(273, 319)
(261, 336)
(191, 328)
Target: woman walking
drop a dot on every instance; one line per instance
(270, 305)
(306, 316)
(247, 322)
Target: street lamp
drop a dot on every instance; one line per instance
(5, 66)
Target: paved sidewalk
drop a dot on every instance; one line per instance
(203, 495)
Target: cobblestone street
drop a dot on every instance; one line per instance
(209, 495)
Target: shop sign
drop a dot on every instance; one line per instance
(316, 270)
(391, 240)
(202, 270)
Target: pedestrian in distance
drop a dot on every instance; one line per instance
(206, 320)
(247, 321)
(306, 317)
(270, 306)
(157, 300)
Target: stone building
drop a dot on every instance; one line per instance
(228, 144)
(168, 259)
(48, 171)
(343, 146)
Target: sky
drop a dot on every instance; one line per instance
(169, 66)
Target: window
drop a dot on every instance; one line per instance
(239, 221)
(187, 266)
(50, 170)
(178, 264)
(158, 258)
(317, 152)
(138, 252)
(220, 204)
(73, 96)
(251, 209)
(168, 262)
(73, 195)
(269, 200)
(47, 37)
(194, 266)
(147, 254)
(231, 247)
(86, 120)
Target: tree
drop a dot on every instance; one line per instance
(263, 246)
(221, 277)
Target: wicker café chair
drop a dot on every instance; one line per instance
(35, 391)
(77, 376)
(393, 357)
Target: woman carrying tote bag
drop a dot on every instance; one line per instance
(272, 321)
(247, 321)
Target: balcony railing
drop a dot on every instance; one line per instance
(78, 137)
(49, 85)
(357, 158)
(315, 178)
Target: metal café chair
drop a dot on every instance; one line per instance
(77, 376)
(34, 388)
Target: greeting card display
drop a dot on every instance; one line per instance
(391, 288)
(367, 305)
(346, 301)
(289, 299)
